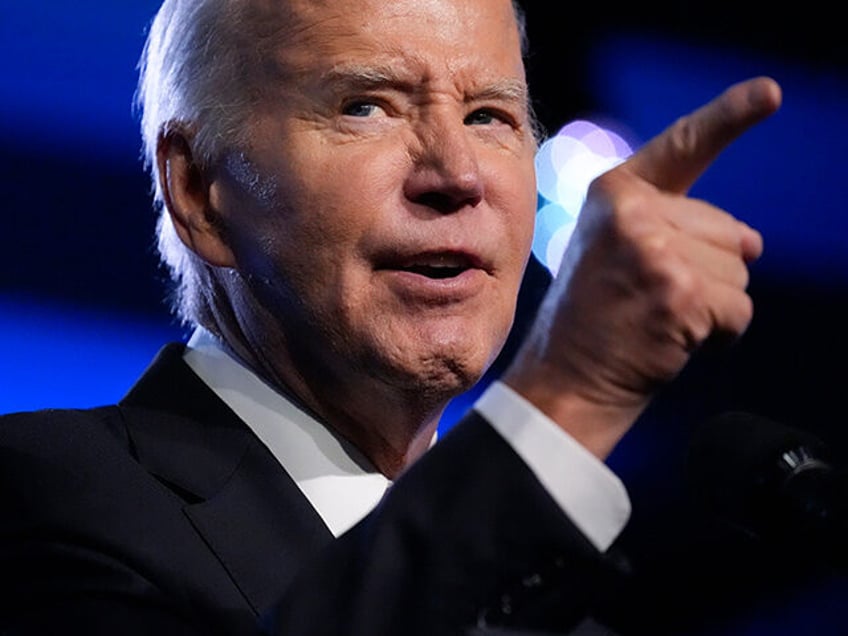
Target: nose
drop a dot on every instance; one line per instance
(445, 174)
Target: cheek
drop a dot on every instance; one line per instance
(315, 231)
(340, 202)
(527, 214)
(517, 199)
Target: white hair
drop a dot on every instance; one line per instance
(195, 77)
(192, 79)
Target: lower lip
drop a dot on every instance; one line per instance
(418, 288)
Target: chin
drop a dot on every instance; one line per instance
(438, 361)
(442, 375)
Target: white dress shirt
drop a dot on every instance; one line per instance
(343, 486)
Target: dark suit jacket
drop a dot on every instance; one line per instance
(164, 514)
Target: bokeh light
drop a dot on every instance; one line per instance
(565, 166)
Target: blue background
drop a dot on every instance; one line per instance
(82, 299)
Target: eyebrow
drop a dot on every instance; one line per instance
(376, 76)
(366, 76)
(510, 90)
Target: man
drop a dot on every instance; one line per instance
(347, 200)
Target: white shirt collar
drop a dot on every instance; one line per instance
(337, 479)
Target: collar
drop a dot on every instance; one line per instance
(335, 477)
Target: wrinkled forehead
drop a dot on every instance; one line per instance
(294, 35)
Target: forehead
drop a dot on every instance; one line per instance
(475, 38)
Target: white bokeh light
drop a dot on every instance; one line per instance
(565, 166)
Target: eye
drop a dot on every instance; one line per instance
(482, 117)
(362, 109)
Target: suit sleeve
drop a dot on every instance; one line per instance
(466, 540)
(592, 495)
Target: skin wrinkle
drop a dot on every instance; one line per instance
(329, 277)
(238, 165)
(307, 202)
(313, 281)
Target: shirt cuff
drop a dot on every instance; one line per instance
(592, 496)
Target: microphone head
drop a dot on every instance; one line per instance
(756, 472)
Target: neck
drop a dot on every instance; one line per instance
(389, 453)
(392, 428)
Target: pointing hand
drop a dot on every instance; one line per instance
(649, 275)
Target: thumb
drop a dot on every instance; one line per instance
(674, 159)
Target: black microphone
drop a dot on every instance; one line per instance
(774, 481)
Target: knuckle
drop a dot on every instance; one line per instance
(745, 312)
(678, 290)
(683, 288)
(742, 277)
(682, 139)
(656, 254)
(632, 215)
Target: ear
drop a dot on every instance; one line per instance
(185, 193)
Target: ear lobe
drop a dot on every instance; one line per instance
(185, 193)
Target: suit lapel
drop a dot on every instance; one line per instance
(241, 502)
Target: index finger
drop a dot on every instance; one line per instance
(674, 159)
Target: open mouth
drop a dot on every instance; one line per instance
(435, 272)
(438, 266)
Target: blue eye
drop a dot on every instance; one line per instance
(361, 109)
(480, 118)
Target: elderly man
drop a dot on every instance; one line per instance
(347, 201)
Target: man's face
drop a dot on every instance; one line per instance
(382, 209)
